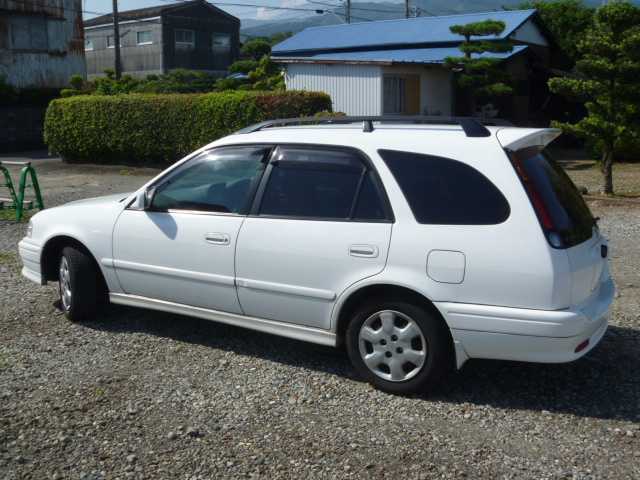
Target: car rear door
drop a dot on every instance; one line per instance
(320, 222)
(182, 248)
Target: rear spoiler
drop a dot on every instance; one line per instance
(519, 138)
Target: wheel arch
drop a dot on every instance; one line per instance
(52, 250)
(385, 291)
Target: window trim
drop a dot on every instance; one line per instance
(138, 42)
(189, 162)
(90, 42)
(369, 167)
(191, 44)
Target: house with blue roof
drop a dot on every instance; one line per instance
(394, 67)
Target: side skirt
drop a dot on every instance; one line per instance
(298, 332)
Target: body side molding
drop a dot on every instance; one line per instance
(298, 332)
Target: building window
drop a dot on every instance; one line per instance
(88, 45)
(29, 33)
(220, 43)
(185, 38)
(111, 41)
(144, 38)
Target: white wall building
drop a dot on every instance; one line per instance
(396, 66)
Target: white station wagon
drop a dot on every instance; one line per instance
(415, 245)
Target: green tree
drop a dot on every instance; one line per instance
(607, 72)
(256, 48)
(478, 73)
(243, 66)
(267, 76)
(567, 21)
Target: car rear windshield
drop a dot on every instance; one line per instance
(568, 214)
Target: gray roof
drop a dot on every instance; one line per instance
(150, 12)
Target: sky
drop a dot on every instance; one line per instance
(93, 7)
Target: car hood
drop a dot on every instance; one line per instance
(104, 200)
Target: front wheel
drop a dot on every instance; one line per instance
(399, 347)
(80, 285)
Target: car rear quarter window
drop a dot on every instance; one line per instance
(444, 191)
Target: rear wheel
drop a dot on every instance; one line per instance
(81, 287)
(399, 347)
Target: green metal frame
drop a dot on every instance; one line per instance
(18, 199)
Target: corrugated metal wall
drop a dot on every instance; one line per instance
(354, 89)
(41, 42)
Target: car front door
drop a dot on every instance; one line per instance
(320, 222)
(181, 248)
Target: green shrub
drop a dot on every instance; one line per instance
(152, 129)
(76, 82)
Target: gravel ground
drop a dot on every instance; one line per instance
(141, 394)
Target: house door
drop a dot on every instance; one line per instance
(401, 95)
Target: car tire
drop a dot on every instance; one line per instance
(80, 284)
(410, 358)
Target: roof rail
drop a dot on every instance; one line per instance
(473, 127)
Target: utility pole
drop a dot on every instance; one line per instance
(348, 12)
(116, 40)
(406, 8)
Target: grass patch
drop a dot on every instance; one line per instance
(9, 214)
(6, 258)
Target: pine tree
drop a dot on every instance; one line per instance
(478, 73)
(607, 80)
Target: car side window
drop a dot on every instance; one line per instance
(220, 180)
(310, 182)
(446, 192)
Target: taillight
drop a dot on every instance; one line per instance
(545, 218)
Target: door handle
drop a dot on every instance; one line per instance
(217, 238)
(363, 251)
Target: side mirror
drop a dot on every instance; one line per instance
(147, 197)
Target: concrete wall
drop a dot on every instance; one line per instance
(21, 127)
(354, 89)
(41, 42)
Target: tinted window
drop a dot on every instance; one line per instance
(570, 215)
(369, 205)
(315, 183)
(444, 191)
(217, 181)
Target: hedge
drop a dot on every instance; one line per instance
(160, 129)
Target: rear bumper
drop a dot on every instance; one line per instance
(30, 254)
(528, 335)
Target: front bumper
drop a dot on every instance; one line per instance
(528, 335)
(30, 253)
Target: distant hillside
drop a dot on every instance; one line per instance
(364, 11)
